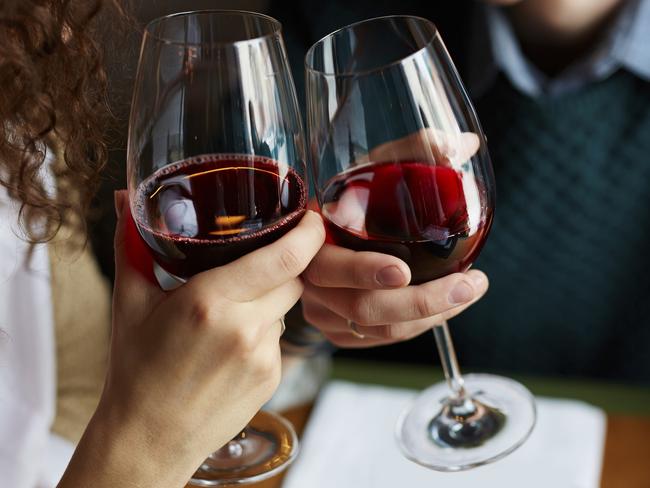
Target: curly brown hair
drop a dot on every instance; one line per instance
(53, 97)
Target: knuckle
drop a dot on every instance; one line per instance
(362, 310)
(359, 274)
(290, 261)
(200, 312)
(424, 305)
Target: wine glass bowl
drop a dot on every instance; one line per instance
(216, 170)
(401, 167)
(216, 164)
(385, 205)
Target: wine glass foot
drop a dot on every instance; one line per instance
(266, 447)
(465, 422)
(494, 418)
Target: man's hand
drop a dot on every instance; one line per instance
(368, 293)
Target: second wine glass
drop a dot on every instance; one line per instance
(401, 167)
(216, 169)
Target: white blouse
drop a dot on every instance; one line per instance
(30, 455)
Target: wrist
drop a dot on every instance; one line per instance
(119, 449)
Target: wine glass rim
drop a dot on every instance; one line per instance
(276, 26)
(378, 68)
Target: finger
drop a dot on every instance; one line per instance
(404, 331)
(336, 266)
(330, 323)
(269, 338)
(135, 287)
(379, 307)
(337, 329)
(268, 355)
(322, 318)
(201, 307)
(265, 269)
(275, 304)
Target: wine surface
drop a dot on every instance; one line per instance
(413, 210)
(209, 210)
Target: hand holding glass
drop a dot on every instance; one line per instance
(216, 170)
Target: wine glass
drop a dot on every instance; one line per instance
(401, 167)
(216, 169)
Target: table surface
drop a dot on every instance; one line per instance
(627, 446)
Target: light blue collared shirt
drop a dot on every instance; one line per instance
(626, 45)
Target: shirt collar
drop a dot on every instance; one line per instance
(633, 49)
(494, 48)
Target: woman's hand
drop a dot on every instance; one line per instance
(188, 369)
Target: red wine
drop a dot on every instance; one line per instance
(209, 210)
(413, 210)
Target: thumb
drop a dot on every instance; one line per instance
(135, 285)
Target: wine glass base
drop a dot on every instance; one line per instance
(506, 402)
(268, 446)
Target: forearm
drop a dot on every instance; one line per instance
(114, 452)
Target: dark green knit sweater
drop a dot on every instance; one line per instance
(569, 253)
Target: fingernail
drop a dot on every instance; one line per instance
(462, 293)
(390, 276)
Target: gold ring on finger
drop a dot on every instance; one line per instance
(355, 331)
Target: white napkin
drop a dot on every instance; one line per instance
(349, 443)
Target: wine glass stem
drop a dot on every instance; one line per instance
(448, 359)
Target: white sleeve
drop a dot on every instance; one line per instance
(27, 356)
(57, 456)
(23, 441)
